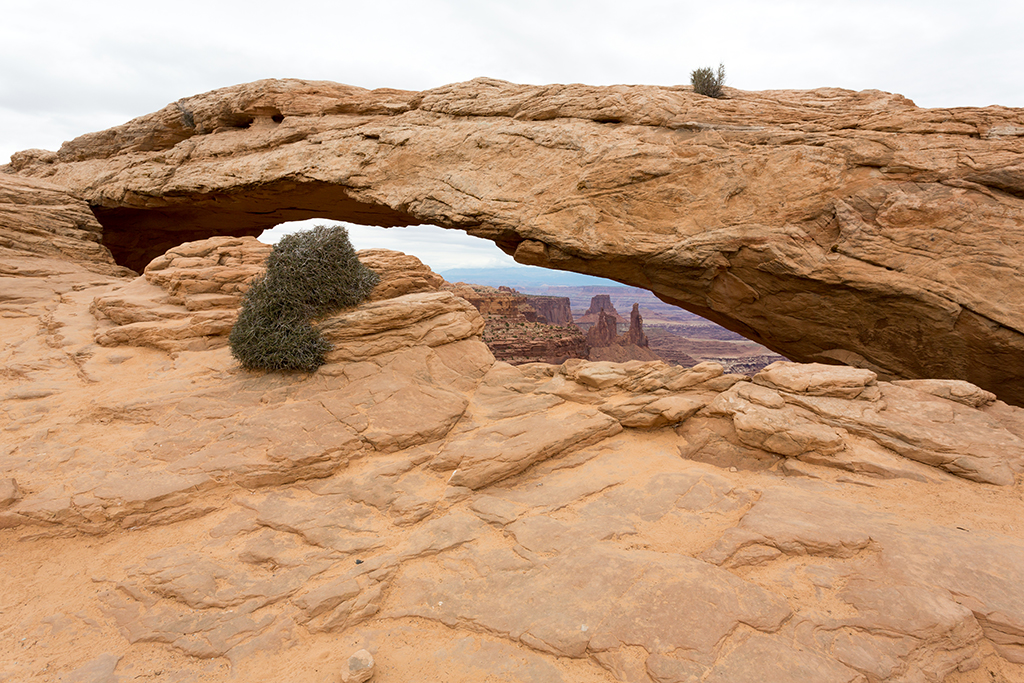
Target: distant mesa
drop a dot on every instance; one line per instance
(523, 328)
(605, 342)
(601, 303)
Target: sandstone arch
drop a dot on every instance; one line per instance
(828, 225)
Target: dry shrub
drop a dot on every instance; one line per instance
(708, 82)
(309, 275)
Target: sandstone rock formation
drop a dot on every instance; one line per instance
(636, 335)
(189, 298)
(601, 303)
(828, 225)
(518, 342)
(517, 331)
(603, 332)
(165, 515)
(605, 342)
(555, 310)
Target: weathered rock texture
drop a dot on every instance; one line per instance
(828, 225)
(525, 342)
(601, 303)
(189, 298)
(606, 344)
(165, 515)
(517, 331)
(555, 310)
(444, 513)
(636, 334)
(603, 332)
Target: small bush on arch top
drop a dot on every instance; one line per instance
(706, 81)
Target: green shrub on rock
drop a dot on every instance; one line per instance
(309, 275)
(706, 81)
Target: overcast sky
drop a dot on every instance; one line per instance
(72, 67)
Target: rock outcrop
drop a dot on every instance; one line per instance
(417, 510)
(517, 332)
(606, 344)
(414, 495)
(189, 298)
(555, 310)
(525, 342)
(601, 303)
(636, 335)
(603, 332)
(828, 225)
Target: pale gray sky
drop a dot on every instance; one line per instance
(72, 67)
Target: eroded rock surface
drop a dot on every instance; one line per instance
(453, 516)
(520, 328)
(189, 298)
(828, 225)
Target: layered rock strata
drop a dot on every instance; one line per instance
(607, 344)
(589, 521)
(167, 515)
(828, 225)
(555, 310)
(601, 303)
(516, 330)
(189, 298)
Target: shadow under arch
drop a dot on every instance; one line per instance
(136, 235)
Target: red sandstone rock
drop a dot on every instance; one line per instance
(598, 304)
(631, 521)
(517, 332)
(828, 225)
(605, 343)
(603, 333)
(636, 335)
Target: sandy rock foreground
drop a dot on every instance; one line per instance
(166, 516)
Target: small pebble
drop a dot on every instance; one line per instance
(359, 669)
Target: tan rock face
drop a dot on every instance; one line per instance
(537, 522)
(189, 298)
(41, 220)
(524, 329)
(828, 225)
(420, 506)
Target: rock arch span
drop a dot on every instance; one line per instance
(828, 225)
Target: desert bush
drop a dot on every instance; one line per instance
(708, 82)
(309, 275)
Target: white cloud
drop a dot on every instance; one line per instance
(73, 67)
(438, 248)
(107, 61)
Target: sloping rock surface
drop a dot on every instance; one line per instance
(189, 298)
(165, 515)
(828, 225)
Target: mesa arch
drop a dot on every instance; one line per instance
(827, 225)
